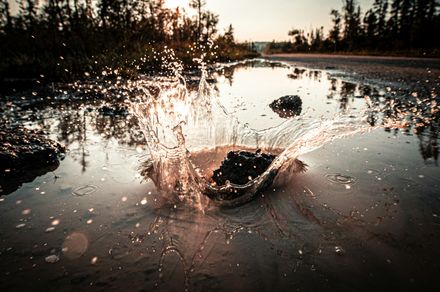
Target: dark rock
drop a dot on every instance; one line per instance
(287, 106)
(114, 110)
(25, 154)
(240, 167)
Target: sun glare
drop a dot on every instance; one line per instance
(176, 3)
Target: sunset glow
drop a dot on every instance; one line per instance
(176, 3)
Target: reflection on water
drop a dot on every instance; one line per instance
(365, 216)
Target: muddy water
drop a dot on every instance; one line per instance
(365, 216)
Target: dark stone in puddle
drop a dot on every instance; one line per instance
(287, 106)
(24, 155)
(114, 110)
(240, 167)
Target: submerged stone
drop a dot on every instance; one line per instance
(287, 106)
(240, 167)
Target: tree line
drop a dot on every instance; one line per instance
(63, 38)
(388, 26)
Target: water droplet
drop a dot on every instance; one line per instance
(144, 201)
(55, 222)
(21, 225)
(94, 260)
(124, 199)
(50, 229)
(139, 149)
(26, 212)
(90, 221)
(52, 259)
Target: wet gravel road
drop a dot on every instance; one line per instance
(408, 73)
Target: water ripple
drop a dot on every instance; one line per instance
(340, 178)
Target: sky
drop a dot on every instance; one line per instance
(258, 20)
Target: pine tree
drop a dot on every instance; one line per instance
(352, 29)
(198, 5)
(5, 16)
(393, 24)
(335, 32)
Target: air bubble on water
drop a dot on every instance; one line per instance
(339, 250)
(52, 259)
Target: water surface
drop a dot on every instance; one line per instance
(364, 216)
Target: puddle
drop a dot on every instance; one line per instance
(120, 232)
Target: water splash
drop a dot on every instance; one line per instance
(178, 123)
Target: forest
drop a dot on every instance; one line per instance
(397, 27)
(64, 39)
